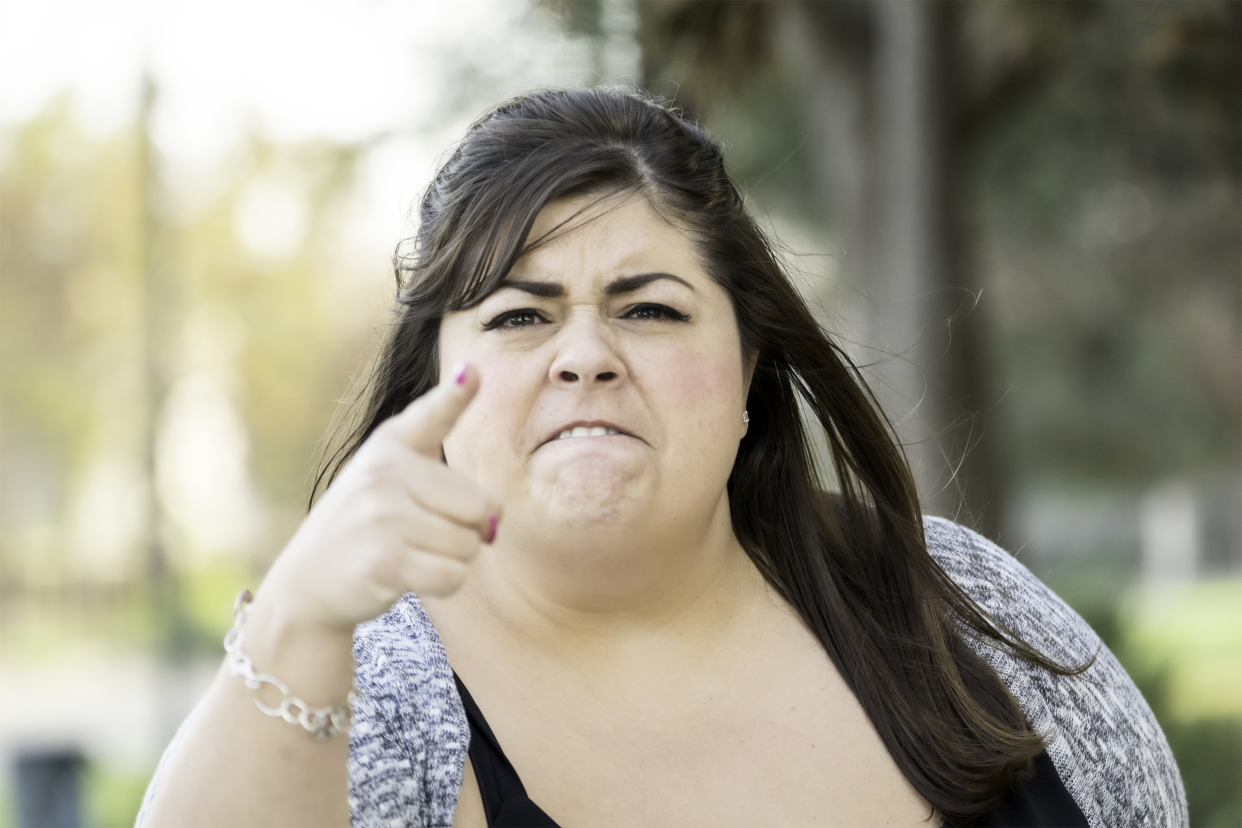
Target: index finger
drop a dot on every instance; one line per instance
(423, 424)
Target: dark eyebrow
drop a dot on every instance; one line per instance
(548, 290)
(627, 284)
(630, 284)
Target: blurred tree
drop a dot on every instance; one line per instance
(69, 336)
(254, 319)
(1108, 212)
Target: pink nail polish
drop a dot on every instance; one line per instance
(491, 529)
(459, 373)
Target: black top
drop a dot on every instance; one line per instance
(505, 802)
(1040, 801)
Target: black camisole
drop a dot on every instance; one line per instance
(505, 802)
(1040, 801)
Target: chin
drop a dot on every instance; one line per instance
(593, 495)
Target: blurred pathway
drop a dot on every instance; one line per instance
(118, 710)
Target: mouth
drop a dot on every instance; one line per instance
(576, 431)
(583, 431)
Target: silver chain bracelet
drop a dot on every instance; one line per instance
(322, 723)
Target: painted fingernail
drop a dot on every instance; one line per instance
(459, 373)
(491, 529)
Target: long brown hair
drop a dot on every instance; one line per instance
(855, 566)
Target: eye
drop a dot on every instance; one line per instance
(521, 318)
(650, 311)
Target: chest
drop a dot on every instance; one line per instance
(778, 739)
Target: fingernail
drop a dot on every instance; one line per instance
(459, 373)
(491, 529)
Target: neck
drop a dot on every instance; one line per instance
(580, 588)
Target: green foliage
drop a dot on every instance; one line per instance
(208, 600)
(1208, 749)
(1209, 755)
(74, 384)
(68, 232)
(1109, 208)
(767, 154)
(113, 794)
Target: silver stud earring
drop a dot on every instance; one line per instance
(745, 416)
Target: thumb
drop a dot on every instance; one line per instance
(424, 423)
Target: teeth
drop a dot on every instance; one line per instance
(583, 431)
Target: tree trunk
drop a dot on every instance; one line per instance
(906, 261)
(880, 103)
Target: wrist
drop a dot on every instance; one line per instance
(314, 662)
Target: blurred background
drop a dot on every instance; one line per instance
(1023, 218)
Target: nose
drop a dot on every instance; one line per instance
(586, 355)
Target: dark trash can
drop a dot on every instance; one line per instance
(49, 787)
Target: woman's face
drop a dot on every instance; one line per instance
(613, 380)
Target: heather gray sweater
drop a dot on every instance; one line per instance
(410, 735)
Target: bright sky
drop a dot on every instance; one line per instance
(339, 69)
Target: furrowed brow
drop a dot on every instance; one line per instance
(629, 284)
(548, 290)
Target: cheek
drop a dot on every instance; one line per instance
(496, 416)
(503, 398)
(705, 382)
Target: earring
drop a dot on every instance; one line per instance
(746, 416)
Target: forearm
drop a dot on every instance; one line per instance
(236, 766)
(397, 520)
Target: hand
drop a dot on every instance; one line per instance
(395, 520)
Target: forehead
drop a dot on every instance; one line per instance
(589, 239)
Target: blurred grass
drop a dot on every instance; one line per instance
(51, 630)
(1196, 630)
(207, 598)
(1182, 645)
(113, 794)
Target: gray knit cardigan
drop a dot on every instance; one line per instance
(410, 735)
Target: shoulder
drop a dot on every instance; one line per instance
(408, 744)
(1103, 738)
(1009, 592)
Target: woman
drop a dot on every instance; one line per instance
(634, 605)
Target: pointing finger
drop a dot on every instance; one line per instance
(424, 423)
